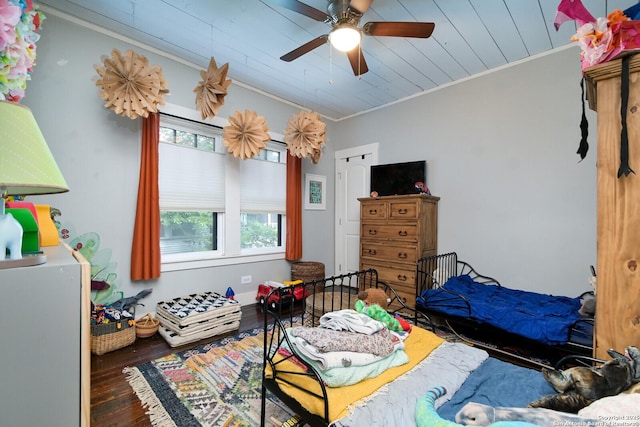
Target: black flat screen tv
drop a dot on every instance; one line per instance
(398, 178)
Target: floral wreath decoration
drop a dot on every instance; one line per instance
(601, 39)
(19, 24)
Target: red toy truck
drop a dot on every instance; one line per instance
(290, 291)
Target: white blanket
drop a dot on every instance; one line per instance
(448, 365)
(350, 320)
(335, 359)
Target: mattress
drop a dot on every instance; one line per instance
(547, 319)
(175, 340)
(194, 317)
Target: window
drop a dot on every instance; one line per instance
(213, 207)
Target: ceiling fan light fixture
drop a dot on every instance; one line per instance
(345, 38)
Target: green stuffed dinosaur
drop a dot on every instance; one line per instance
(427, 416)
(378, 313)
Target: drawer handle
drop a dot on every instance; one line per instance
(372, 251)
(403, 233)
(403, 211)
(402, 255)
(373, 211)
(402, 277)
(373, 232)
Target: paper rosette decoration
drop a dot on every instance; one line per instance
(305, 135)
(19, 23)
(211, 91)
(246, 134)
(129, 85)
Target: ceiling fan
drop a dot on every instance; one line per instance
(344, 17)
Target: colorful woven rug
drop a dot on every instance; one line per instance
(216, 384)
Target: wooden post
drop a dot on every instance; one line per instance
(618, 211)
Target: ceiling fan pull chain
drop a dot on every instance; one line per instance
(330, 64)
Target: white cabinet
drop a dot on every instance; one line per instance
(45, 357)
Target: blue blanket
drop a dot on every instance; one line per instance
(497, 383)
(543, 318)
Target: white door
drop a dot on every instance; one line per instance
(353, 173)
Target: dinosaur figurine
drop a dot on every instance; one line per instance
(580, 386)
(427, 416)
(127, 303)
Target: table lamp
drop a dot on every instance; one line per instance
(27, 167)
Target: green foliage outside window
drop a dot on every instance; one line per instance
(187, 231)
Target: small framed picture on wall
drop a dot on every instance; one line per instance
(315, 192)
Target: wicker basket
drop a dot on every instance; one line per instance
(108, 337)
(147, 326)
(308, 271)
(316, 306)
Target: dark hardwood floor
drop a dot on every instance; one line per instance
(113, 402)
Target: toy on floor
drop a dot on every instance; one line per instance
(129, 302)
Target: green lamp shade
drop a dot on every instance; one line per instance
(26, 163)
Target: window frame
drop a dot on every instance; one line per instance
(229, 245)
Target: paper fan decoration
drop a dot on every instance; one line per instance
(211, 91)
(246, 135)
(304, 135)
(129, 85)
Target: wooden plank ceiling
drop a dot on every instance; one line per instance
(470, 37)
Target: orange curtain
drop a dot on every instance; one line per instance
(145, 251)
(294, 208)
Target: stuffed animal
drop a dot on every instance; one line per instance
(588, 307)
(427, 416)
(374, 296)
(380, 314)
(477, 414)
(579, 386)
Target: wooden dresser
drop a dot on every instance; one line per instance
(395, 231)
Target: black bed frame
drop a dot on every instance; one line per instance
(290, 311)
(432, 270)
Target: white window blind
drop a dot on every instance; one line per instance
(190, 179)
(263, 186)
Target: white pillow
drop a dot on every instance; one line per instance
(624, 407)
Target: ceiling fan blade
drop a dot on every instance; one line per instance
(303, 9)
(305, 48)
(360, 5)
(358, 64)
(399, 29)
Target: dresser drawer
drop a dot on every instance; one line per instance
(404, 232)
(398, 277)
(404, 210)
(402, 280)
(382, 252)
(373, 210)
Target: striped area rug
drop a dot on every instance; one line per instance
(216, 384)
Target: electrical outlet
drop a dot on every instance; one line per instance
(245, 280)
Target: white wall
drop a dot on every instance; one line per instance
(98, 154)
(500, 151)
